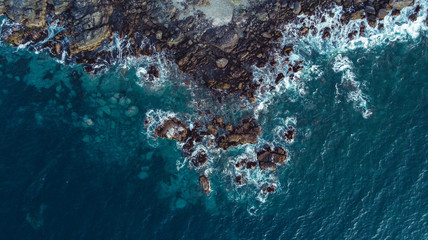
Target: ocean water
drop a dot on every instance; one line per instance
(77, 160)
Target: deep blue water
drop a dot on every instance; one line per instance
(358, 168)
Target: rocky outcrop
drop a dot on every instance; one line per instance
(173, 129)
(247, 132)
(268, 158)
(205, 184)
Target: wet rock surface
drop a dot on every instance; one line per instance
(205, 184)
(247, 132)
(268, 158)
(173, 129)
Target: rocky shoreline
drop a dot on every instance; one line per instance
(218, 55)
(218, 51)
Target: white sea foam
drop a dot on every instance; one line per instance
(350, 86)
(395, 28)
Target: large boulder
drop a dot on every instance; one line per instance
(268, 158)
(400, 4)
(174, 129)
(247, 132)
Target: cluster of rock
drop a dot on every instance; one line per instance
(246, 132)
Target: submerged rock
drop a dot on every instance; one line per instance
(173, 129)
(289, 135)
(205, 183)
(200, 159)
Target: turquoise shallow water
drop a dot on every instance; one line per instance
(74, 164)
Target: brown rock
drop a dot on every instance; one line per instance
(173, 129)
(400, 4)
(212, 130)
(205, 183)
(268, 158)
(247, 132)
(269, 166)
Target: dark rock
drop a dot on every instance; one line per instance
(352, 34)
(326, 33)
(205, 183)
(395, 12)
(400, 4)
(279, 78)
(268, 189)
(200, 159)
(289, 135)
(251, 165)
(153, 72)
(414, 16)
(304, 31)
(238, 179)
(173, 129)
(362, 29)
